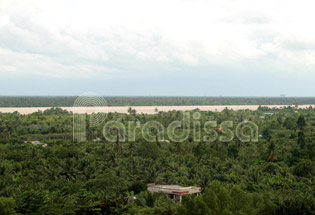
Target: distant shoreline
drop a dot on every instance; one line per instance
(144, 109)
(39, 102)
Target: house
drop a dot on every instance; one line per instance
(36, 142)
(269, 114)
(174, 191)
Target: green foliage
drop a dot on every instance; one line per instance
(217, 199)
(267, 133)
(301, 139)
(232, 151)
(32, 202)
(290, 123)
(137, 187)
(7, 206)
(109, 183)
(152, 204)
(305, 169)
(271, 176)
(301, 122)
(148, 150)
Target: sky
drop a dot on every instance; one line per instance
(157, 48)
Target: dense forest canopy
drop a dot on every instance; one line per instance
(67, 101)
(272, 176)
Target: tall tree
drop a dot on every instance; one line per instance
(272, 153)
(301, 139)
(301, 122)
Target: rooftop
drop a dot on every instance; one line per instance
(173, 189)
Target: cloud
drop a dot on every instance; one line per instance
(119, 40)
(300, 44)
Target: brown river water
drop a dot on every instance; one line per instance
(143, 109)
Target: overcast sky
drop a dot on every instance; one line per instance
(157, 48)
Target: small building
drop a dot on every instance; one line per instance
(36, 143)
(268, 114)
(174, 191)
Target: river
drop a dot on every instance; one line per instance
(143, 109)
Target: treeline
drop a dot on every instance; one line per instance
(67, 101)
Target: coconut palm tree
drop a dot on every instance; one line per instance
(272, 153)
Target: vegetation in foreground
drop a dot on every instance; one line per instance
(272, 176)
